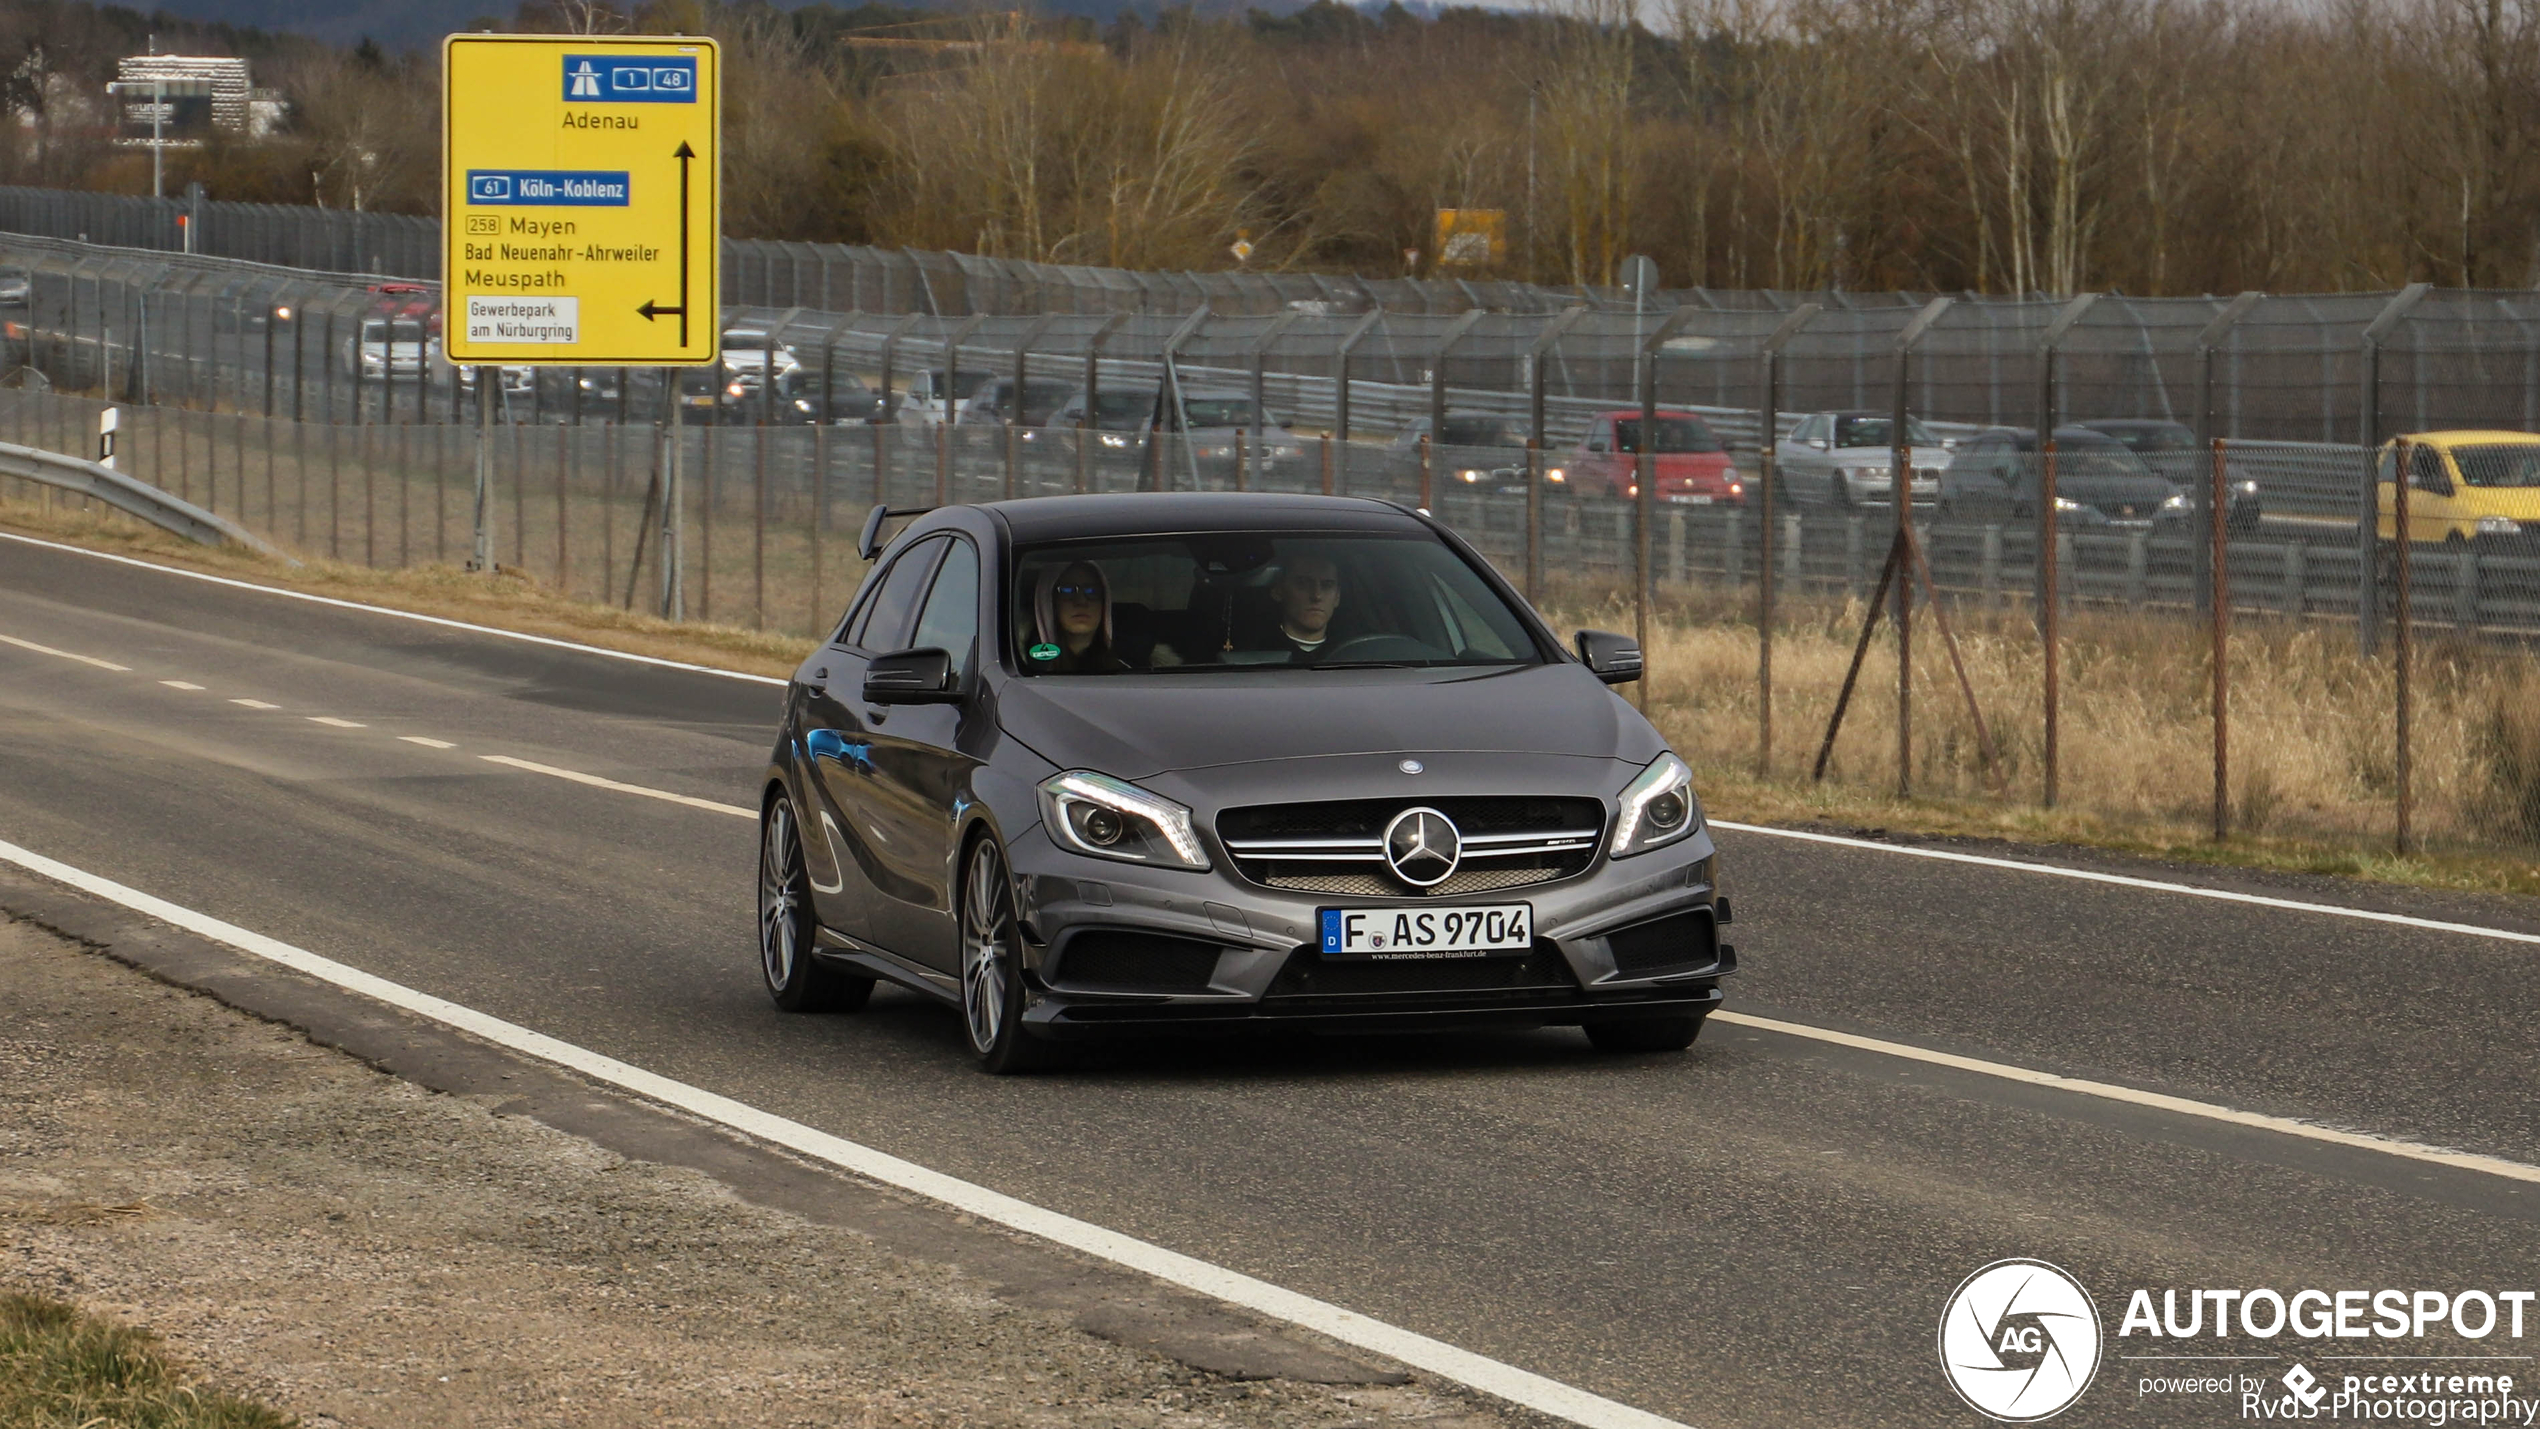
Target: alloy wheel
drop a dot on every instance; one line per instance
(782, 889)
(987, 925)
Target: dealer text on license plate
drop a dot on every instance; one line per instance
(1488, 930)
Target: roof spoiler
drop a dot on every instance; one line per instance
(870, 543)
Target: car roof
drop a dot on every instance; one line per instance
(1064, 518)
(2129, 424)
(1632, 414)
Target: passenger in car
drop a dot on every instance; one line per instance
(1308, 594)
(1072, 616)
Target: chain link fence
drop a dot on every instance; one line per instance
(2062, 624)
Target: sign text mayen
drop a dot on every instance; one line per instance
(579, 184)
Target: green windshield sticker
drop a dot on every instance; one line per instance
(1044, 651)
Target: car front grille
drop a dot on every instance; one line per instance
(1308, 975)
(1339, 847)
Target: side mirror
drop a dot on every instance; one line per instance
(1818, 442)
(910, 677)
(1612, 658)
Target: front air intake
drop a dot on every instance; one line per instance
(1677, 941)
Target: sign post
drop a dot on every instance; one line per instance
(581, 210)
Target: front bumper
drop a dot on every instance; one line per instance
(1114, 946)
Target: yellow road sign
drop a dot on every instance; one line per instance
(580, 210)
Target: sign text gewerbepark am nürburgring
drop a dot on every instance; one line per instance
(580, 203)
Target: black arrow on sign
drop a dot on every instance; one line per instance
(651, 310)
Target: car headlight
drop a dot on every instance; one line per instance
(1113, 440)
(1216, 451)
(1554, 473)
(2177, 502)
(1469, 475)
(1096, 814)
(802, 404)
(1864, 473)
(2499, 526)
(2066, 503)
(2247, 488)
(1658, 808)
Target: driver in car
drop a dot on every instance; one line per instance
(1308, 594)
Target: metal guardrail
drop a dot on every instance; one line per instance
(133, 497)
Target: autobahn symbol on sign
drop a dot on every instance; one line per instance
(581, 200)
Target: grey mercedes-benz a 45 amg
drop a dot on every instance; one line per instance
(1089, 764)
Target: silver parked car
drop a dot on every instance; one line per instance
(1846, 459)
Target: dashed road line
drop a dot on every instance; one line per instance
(596, 782)
(337, 723)
(180, 684)
(255, 704)
(426, 742)
(64, 654)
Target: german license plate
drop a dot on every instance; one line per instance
(1696, 499)
(1465, 931)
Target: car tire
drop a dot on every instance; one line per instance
(796, 980)
(992, 967)
(1645, 1034)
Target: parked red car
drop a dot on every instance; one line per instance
(1693, 468)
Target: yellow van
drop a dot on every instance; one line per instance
(2468, 486)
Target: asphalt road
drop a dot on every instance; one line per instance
(1760, 1232)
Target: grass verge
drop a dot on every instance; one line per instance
(61, 1368)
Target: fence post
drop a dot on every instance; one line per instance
(2210, 510)
(2220, 604)
(1534, 517)
(2401, 539)
(1768, 471)
(2367, 515)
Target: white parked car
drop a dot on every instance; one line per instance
(1848, 458)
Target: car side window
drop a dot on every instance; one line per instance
(884, 624)
(1811, 429)
(951, 619)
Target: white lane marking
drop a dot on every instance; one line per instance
(427, 743)
(64, 654)
(337, 723)
(596, 782)
(255, 704)
(2132, 1096)
(180, 684)
(2224, 895)
(439, 620)
(1504, 1381)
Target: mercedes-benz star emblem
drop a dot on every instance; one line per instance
(1411, 766)
(1423, 847)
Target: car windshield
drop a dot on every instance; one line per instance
(1479, 432)
(1221, 412)
(1250, 601)
(2157, 438)
(1675, 434)
(2095, 456)
(2499, 464)
(1123, 411)
(1878, 432)
(400, 332)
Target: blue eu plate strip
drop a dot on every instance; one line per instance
(1331, 930)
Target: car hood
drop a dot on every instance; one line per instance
(1133, 726)
(1857, 456)
(2109, 489)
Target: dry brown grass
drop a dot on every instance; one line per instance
(2312, 771)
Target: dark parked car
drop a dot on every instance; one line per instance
(2170, 449)
(1205, 761)
(1480, 449)
(995, 404)
(1994, 475)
